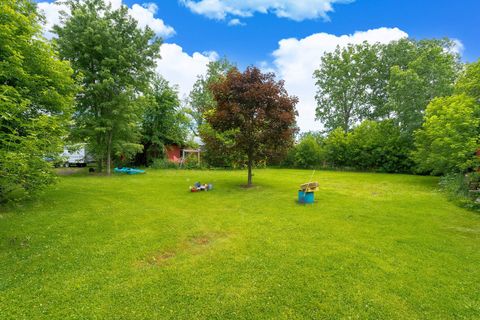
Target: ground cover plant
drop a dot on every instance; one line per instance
(374, 246)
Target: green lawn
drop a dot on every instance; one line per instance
(374, 246)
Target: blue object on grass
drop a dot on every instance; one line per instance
(128, 170)
(306, 197)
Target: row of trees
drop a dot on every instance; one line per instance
(384, 81)
(377, 104)
(122, 104)
(94, 83)
(406, 106)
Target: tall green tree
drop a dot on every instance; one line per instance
(201, 98)
(384, 81)
(164, 122)
(36, 101)
(450, 135)
(344, 83)
(217, 147)
(259, 112)
(430, 73)
(469, 81)
(116, 60)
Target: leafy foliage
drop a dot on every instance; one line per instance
(457, 186)
(344, 81)
(201, 99)
(373, 146)
(257, 110)
(378, 146)
(116, 60)
(449, 136)
(431, 72)
(308, 152)
(217, 151)
(163, 120)
(384, 81)
(36, 99)
(469, 82)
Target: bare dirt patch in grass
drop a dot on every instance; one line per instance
(156, 259)
(193, 245)
(201, 240)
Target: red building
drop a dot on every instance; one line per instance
(177, 154)
(174, 153)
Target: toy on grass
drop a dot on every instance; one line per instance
(201, 187)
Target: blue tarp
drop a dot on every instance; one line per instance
(128, 170)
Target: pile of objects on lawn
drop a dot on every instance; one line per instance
(201, 187)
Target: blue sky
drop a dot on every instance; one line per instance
(256, 40)
(288, 37)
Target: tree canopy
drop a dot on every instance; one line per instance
(384, 81)
(344, 83)
(36, 100)
(450, 135)
(259, 112)
(116, 61)
(164, 122)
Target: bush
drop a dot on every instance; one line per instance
(191, 163)
(163, 164)
(217, 148)
(457, 187)
(378, 146)
(308, 153)
(336, 149)
(448, 139)
(373, 146)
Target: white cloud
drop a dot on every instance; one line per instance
(297, 10)
(182, 69)
(51, 11)
(295, 60)
(144, 14)
(235, 22)
(145, 17)
(458, 47)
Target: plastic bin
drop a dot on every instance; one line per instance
(306, 197)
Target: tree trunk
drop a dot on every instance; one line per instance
(100, 164)
(99, 156)
(250, 162)
(109, 153)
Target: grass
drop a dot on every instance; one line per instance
(374, 246)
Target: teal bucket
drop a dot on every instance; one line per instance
(306, 197)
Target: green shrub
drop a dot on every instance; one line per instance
(336, 149)
(163, 164)
(308, 153)
(448, 139)
(378, 146)
(191, 163)
(457, 187)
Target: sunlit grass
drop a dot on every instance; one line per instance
(374, 246)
